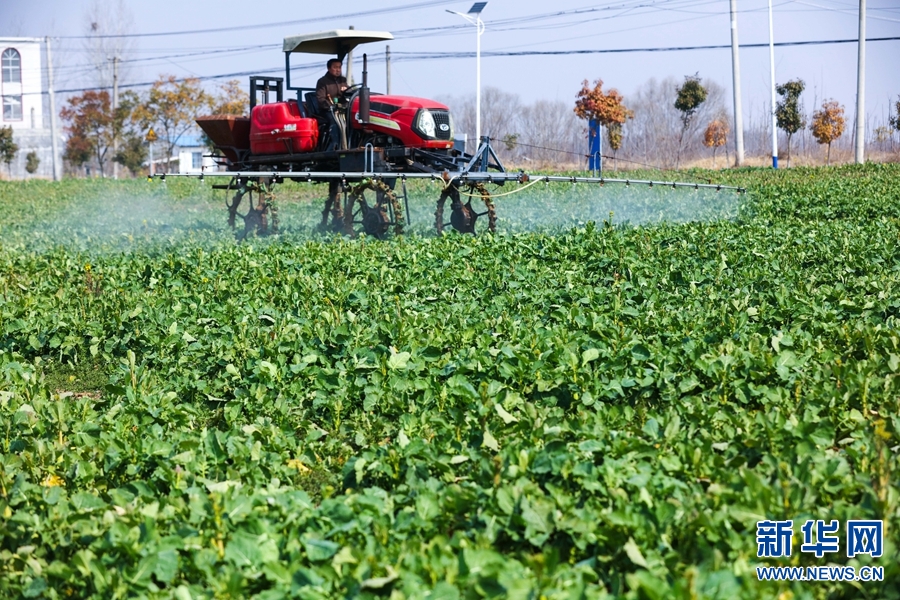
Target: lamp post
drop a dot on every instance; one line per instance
(479, 29)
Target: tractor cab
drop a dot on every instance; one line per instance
(288, 127)
(383, 121)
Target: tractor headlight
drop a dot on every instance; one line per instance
(425, 123)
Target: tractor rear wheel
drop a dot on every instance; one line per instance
(260, 215)
(464, 216)
(333, 208)
(372, 207)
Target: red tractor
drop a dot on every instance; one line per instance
(383, 139)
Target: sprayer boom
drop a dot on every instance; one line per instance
(447, 177)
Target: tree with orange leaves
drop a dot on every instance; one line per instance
(715, 136)
(170, 107)
(607, 109)
(828, 124)
(90, 123)
(232, 99)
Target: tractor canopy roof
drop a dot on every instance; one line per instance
(337, 42)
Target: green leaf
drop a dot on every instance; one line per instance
(634, 553)
(398, 360)
(443, 591)
(36, 588)
(377, 583)
(489, 441)
(589, 355)
(640, 352)
(85, 502)
(402, 439)
(651, 428)
(507, 418)
(319, 550)
(166, 565)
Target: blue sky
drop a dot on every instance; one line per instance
(254, 32)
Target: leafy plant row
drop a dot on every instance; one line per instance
(603, 411)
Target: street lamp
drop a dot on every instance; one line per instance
(479, 29)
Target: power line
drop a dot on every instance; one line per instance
(377, 11)
(410, 56)
(439, 55)
(497, 25)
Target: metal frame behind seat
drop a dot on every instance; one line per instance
(265, 85)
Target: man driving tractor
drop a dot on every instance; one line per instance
(329, 88)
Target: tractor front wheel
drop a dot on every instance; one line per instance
(464, 216)
(372, 207)
(333, 208)
(259, 214)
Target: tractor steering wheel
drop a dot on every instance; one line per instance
(347, 93)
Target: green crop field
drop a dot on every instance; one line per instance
(602, 400)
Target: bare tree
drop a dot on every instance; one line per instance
(654, 136)
(107, 18)
(499, 116)
(546, 134)
(107, 48)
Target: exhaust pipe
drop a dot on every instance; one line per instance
(364, 94)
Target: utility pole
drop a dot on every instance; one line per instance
(474, 17)
(479, 29)
(350, 65)
(772, 71)
(861, 88)
(54, 143)
(387, 62)
(736, 75)
(115, 106)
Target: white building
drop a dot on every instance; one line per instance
(20, 63)
(25, 107)
(193, 156)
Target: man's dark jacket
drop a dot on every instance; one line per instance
(328, 86)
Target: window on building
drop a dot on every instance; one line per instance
(11, 65)
(196, 160)
(12, 108)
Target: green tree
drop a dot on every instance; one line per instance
(32, 162)
(894, 119)
(788, 115)
(828, 124)
(132, 153)
(132, 150)
(689, 96)
(171, 107)
(614, 136)
(8, 147)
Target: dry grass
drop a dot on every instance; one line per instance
(838, 157)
